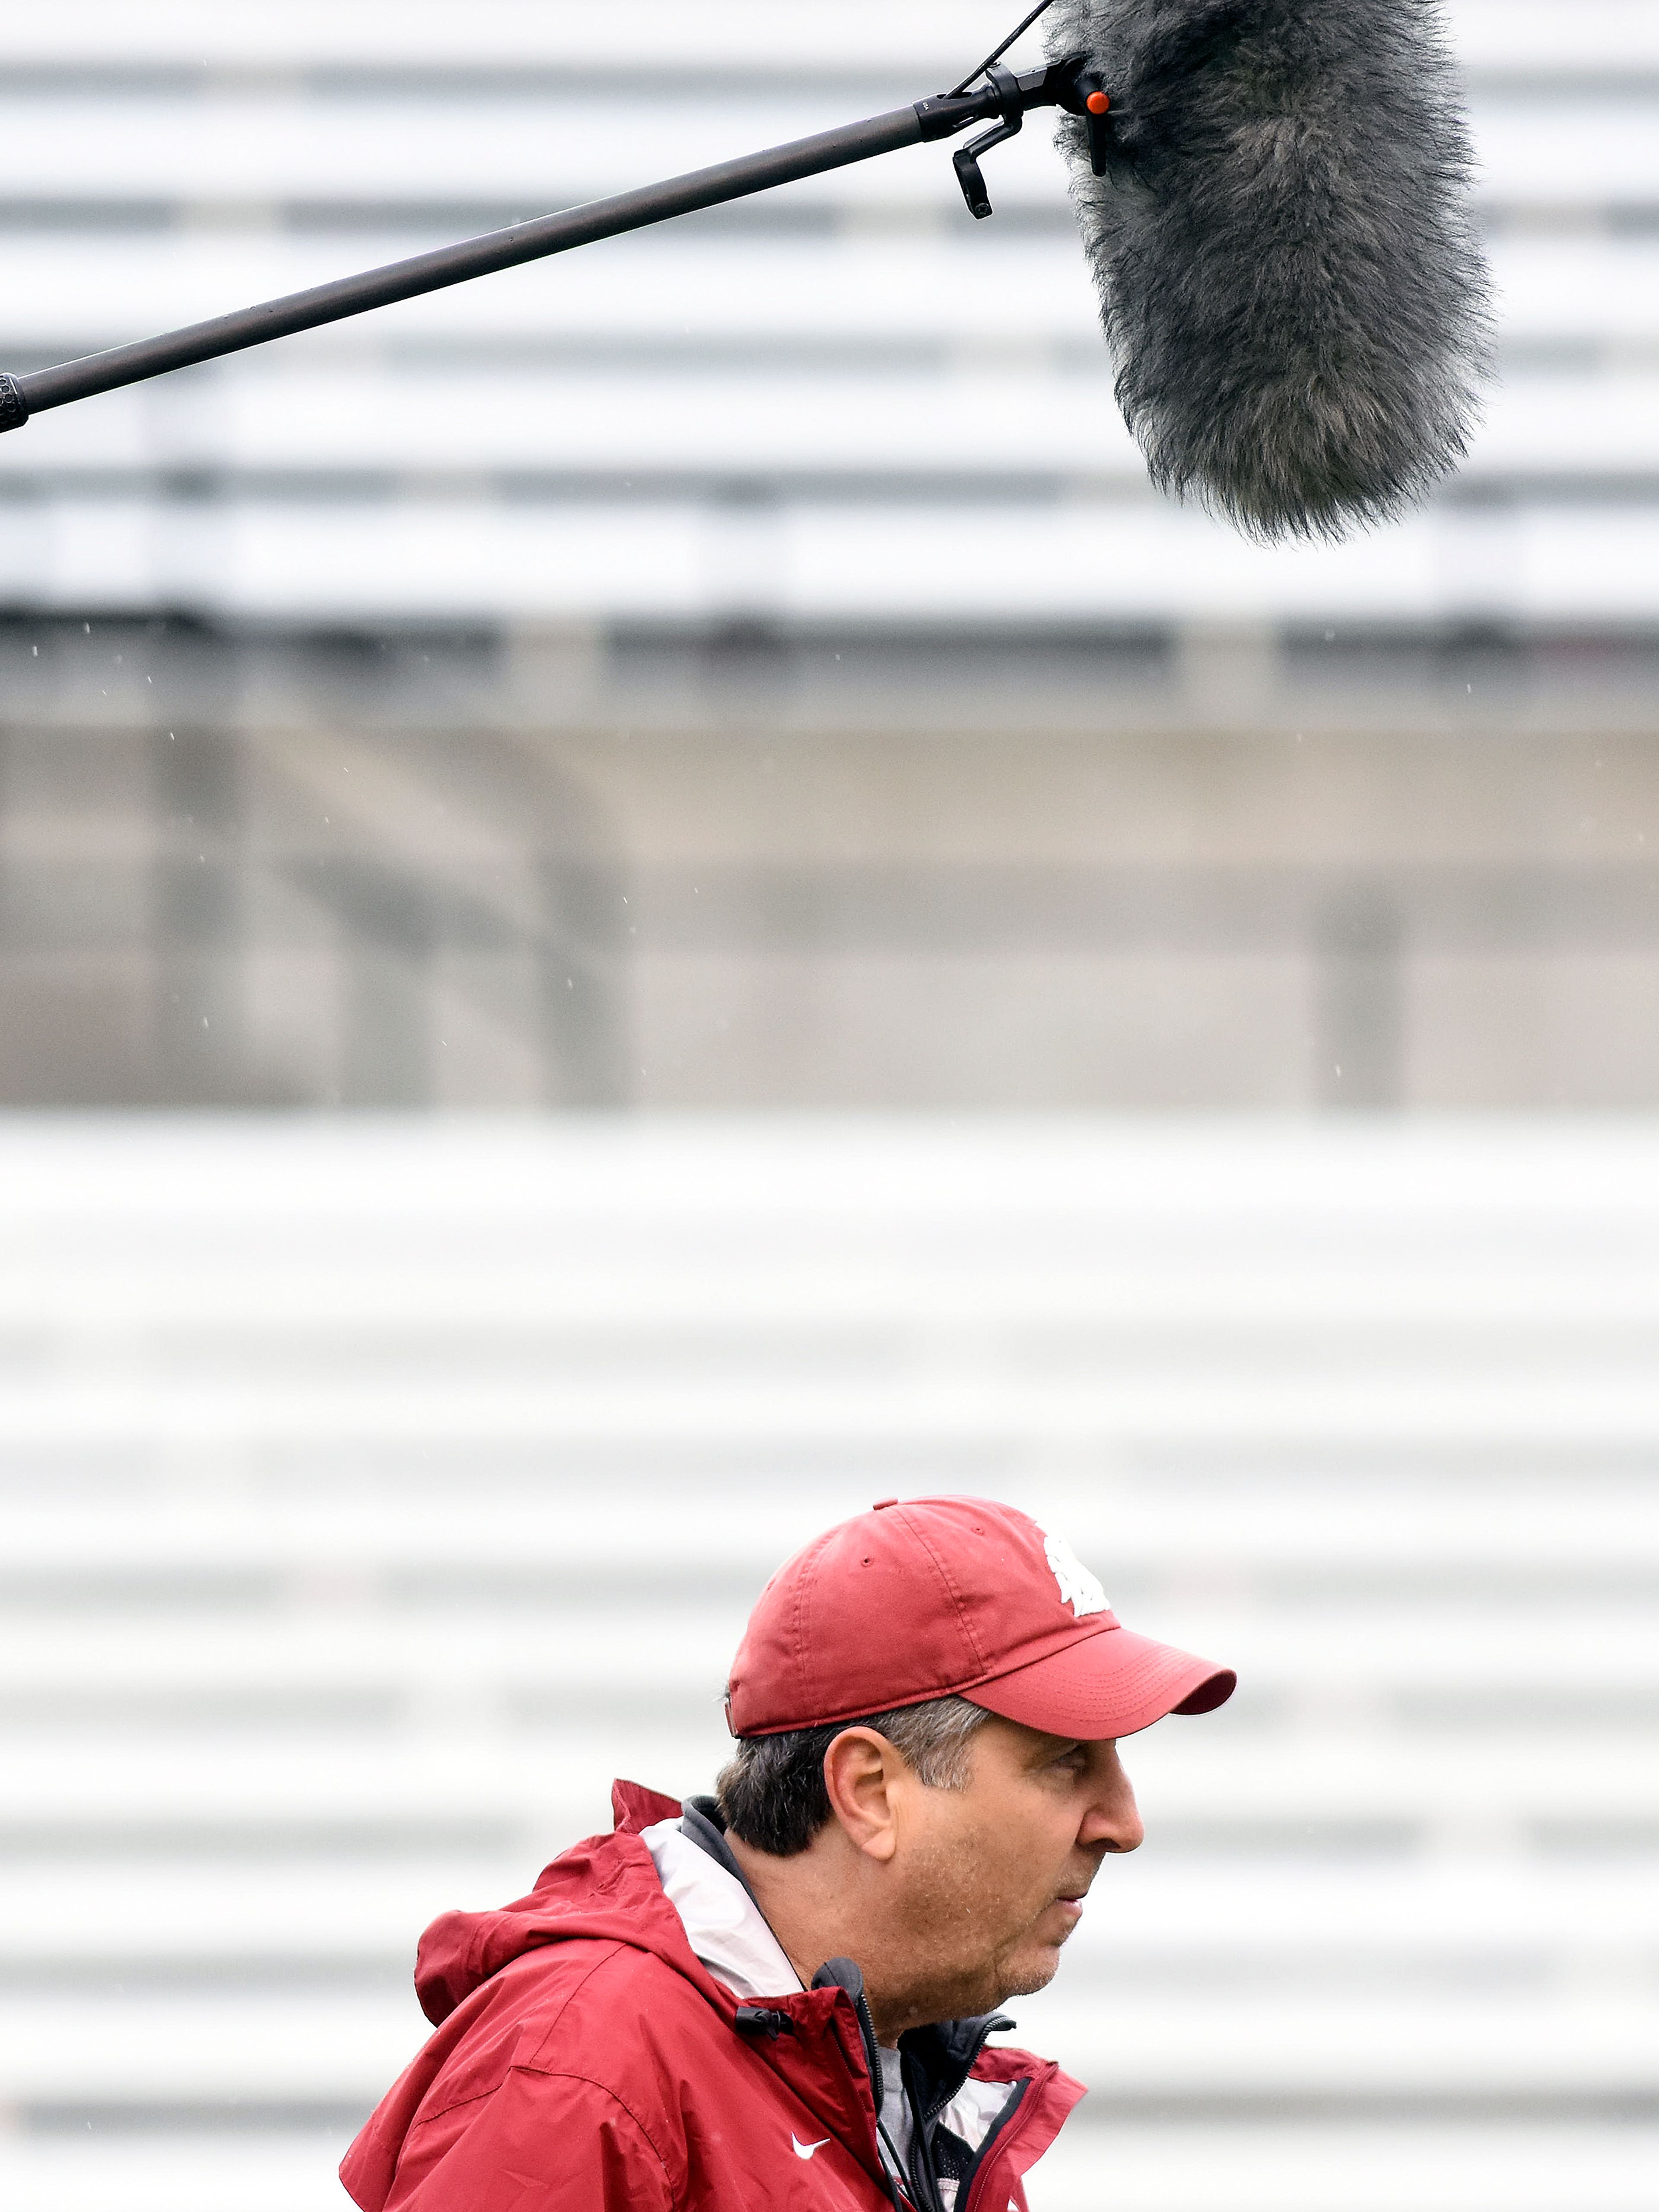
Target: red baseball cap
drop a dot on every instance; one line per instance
(961, 1596)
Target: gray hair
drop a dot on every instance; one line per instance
(771, 1791)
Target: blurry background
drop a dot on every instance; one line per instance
(743, 668)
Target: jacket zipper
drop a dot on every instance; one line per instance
(1006, 2129)
(873, 2062)
(925, 2122)
(845, 1974)
(921, 2192)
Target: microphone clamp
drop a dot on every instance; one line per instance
(1007, 95)
(1011, 109)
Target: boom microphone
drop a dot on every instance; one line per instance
(1273, 196)
(1277, 213)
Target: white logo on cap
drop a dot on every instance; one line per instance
(1078, 1587)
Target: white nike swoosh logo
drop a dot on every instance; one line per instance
(805, 2150)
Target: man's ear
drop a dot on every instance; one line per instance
(860, 1768)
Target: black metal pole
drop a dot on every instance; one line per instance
(23, 396)
(942, 117)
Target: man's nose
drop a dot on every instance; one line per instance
(1113, 1820)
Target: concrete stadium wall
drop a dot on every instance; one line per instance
(1171, 869)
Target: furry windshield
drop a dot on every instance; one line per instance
(1293, 285)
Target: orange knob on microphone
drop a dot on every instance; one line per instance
(1097, 103)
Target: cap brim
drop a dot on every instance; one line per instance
(1110, 1685)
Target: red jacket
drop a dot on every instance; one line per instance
(585, 2061)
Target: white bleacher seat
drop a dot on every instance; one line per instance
(1504, 36)
(1544, 149)
(460, 557)
(682, 300)
(792, 426)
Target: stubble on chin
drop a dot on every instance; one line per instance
(1016, 1973)
(938, 1912)
(1024, 1977)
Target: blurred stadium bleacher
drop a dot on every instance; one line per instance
(370, 1494)
(842, 403)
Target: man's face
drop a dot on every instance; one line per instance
(990, 1878)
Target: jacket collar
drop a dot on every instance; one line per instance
(724, 1927)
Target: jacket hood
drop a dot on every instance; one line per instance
(606, 1889)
